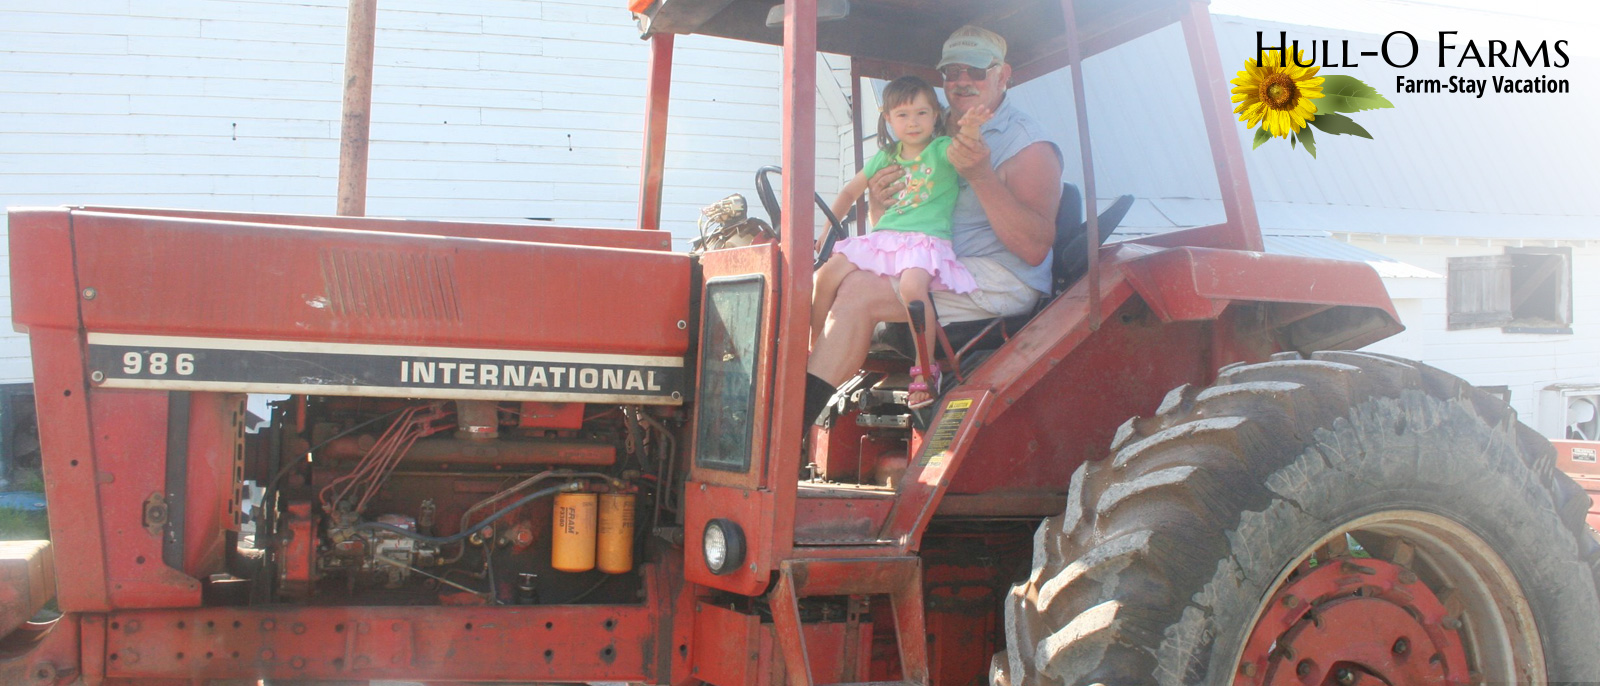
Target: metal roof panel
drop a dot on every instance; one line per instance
(1312, 246)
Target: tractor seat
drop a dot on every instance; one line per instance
(893, 341)
(1069, 261)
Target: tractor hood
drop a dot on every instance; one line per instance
(332, 305)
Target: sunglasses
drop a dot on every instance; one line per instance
(952, 72)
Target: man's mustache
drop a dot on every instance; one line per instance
(964, 91)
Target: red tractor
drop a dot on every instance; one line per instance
(547, 454)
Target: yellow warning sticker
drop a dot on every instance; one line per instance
(937, 449)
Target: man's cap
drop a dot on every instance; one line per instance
(973, 46)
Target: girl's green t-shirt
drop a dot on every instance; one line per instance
(925, 204)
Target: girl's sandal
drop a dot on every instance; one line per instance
(924, 387)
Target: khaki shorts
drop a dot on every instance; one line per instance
(1000, 294)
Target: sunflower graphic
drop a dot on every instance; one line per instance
(1288, 100)
(1278, 97)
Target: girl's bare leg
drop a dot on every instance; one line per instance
(824, 288)
(914, 287)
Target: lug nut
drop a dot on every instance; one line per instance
(1401, 646)
(1345, 676)
(1248, 669)
(1304, 668)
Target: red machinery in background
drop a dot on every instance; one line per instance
(552, 454)
(1581, 461)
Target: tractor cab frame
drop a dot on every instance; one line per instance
(844, 533)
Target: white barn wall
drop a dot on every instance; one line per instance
(498, 110)
(1524, 362)
(15, 363)
(1411, 343)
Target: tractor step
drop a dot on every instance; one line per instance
(850, 515)
(900, 578)
(822, 489)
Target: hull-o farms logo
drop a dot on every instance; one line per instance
(1287, 100)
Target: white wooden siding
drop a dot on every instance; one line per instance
(1524, 362)
(498, 110)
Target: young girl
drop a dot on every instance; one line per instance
(912, 239)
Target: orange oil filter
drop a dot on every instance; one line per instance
(616, 532)
(572, 545)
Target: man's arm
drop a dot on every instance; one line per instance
(881, 189)
(1020, 198)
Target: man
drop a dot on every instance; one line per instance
(1004, 221)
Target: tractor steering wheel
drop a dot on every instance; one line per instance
(769, 200)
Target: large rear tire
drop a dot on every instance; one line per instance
(1346, 519)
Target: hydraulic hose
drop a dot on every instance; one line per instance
(455, 538)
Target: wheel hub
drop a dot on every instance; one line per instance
(1355, 621)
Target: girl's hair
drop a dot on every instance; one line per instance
(899, 92)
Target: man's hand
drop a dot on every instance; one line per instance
(881, 189)
(968, 153)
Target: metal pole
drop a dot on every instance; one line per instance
(1075, 55)
(799, 214)
(652, 171)
(860, 137)
(357, 124)
(1226, 150)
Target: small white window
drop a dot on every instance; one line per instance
(1525, 290)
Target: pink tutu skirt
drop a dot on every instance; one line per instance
(890, 252)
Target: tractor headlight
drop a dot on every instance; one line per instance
(723, 545)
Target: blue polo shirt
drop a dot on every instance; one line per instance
(1007, 133)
